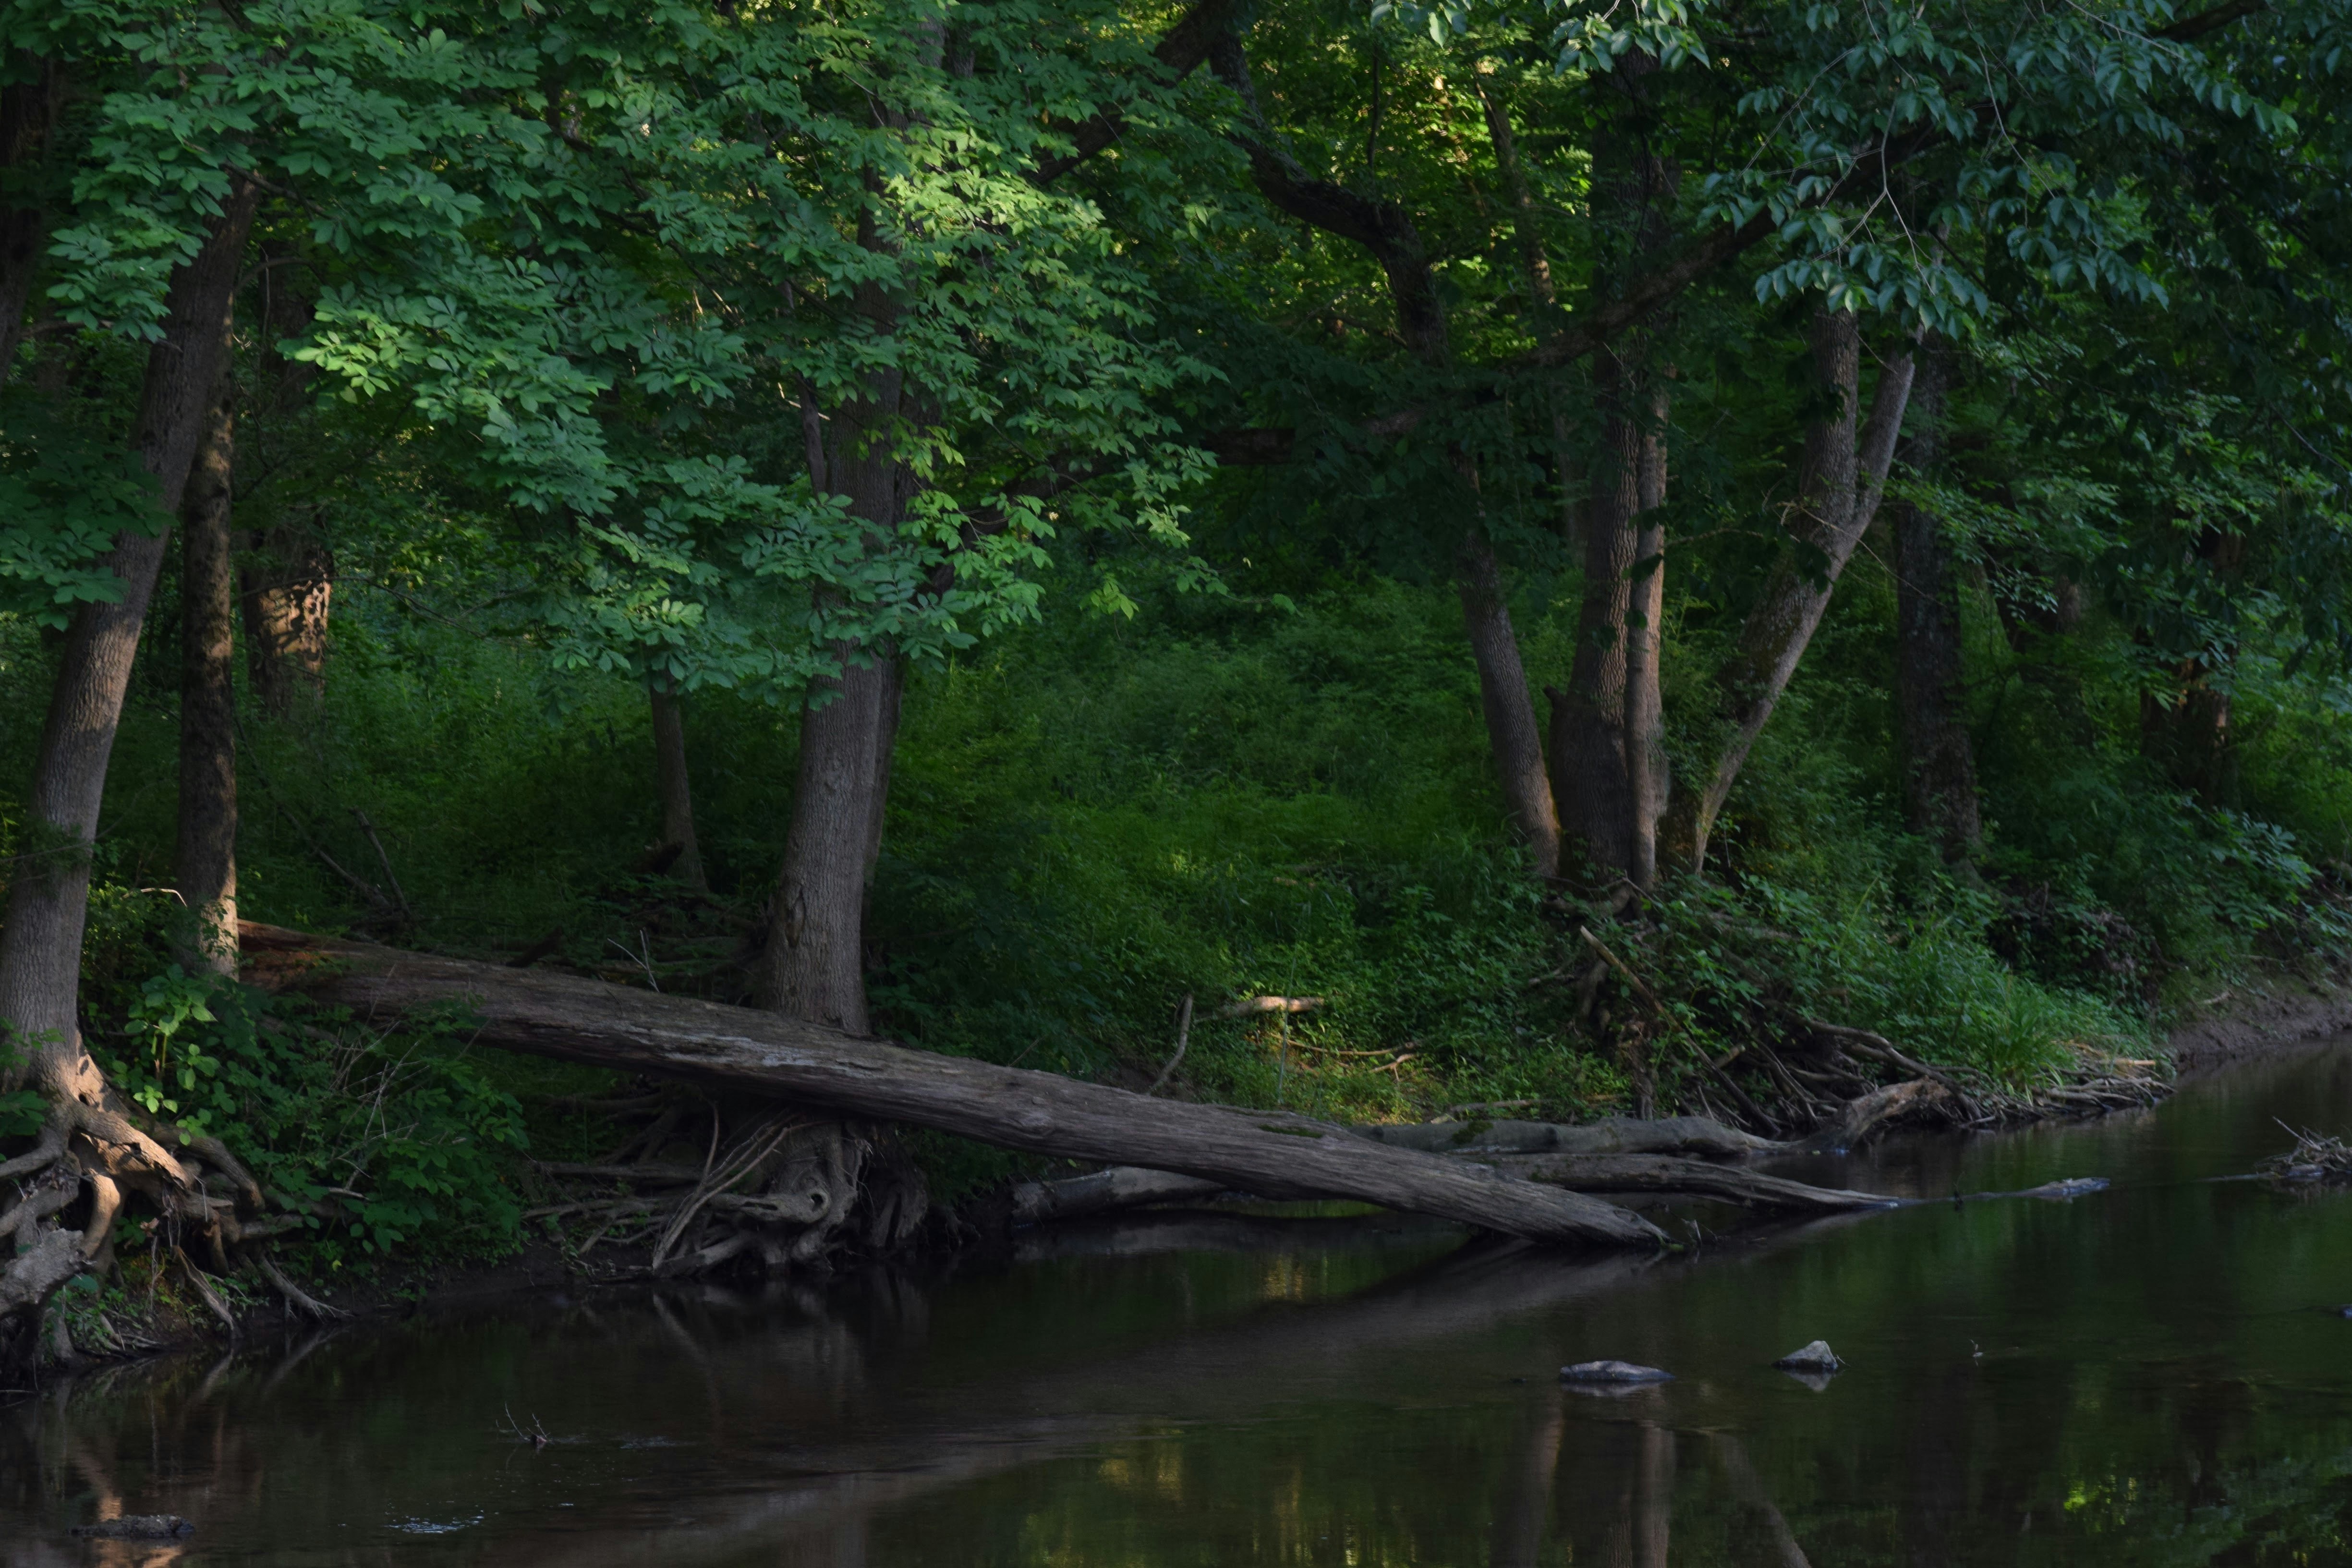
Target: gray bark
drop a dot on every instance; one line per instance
(1843, 475)
(205, 858)
(48, 900)
(1271, 1153)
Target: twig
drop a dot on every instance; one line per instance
(1613, 961)
(389, 874)
(203, 1289)
(1183, 1039)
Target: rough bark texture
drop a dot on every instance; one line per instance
(205, 858)
(1607, 756)
(1843, 475)
(814, 957)
(1940, 769)
(1611, 1135)
(28, 111)
(1589, 733)
(41, 945)
(676, 791)
(1388, 233)
(1271, 1153)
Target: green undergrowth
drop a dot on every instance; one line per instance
(1223, 798)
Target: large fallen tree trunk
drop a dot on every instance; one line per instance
(1271, 1153)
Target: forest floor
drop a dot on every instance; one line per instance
(149, 1307)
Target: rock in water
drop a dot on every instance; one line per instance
(1612, 1372)
(138, 1527)
(1816, 1357)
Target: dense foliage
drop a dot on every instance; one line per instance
(1153, 417)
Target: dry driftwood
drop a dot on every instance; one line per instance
(1661, 1174)
(1866, 1114)
(1270, 1154)
(1610, 1135)
(1119, 1187)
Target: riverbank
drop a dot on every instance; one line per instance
(2150, 1373)
(148, 1307)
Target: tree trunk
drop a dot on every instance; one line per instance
(1590, 766)
(287, 594)
(814, 959)
(1606, 750)
(41, 945)
(204, 862)
(814, 965)
(1511, 732)
(1646, 737)
(670, 782)
(2188, 734)
(1271, 1153)
(1938, 762)
(1387, 232)
(1843, 475)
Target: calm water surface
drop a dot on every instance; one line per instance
(2153, 1374)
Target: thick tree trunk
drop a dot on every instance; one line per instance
(813, 967)
(1274, 1153)
(41, 945)
(1511, 732)
(1607, 753)
(671, 784)
(1841, 480)
(205, 860)
(1590, 766)
(815, 963)
(1938, 760)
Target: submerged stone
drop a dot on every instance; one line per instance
(1816, 1357)
(1612, 1372)
(138, 1527)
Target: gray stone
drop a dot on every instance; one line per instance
(1612, 1372)
(1816, 1357)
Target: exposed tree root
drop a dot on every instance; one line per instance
(771, 1190)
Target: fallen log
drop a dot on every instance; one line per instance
(1610, 1135)
(1273, 1154)
(1866, 1114)
(1664, 1175)
(1119, 1187)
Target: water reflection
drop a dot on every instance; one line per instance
(2148, 1375)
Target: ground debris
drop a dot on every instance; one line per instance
(2314, 1159)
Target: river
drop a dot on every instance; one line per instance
(2155, 1374)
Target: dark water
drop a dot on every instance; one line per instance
(2153, 1374)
